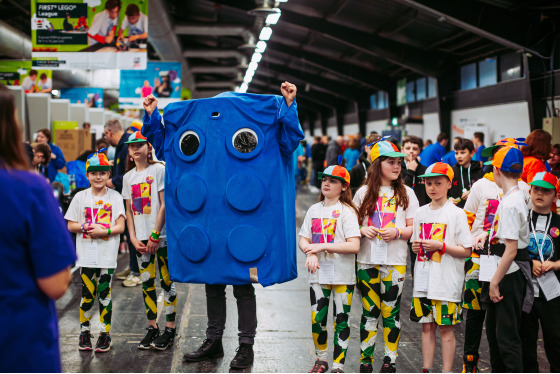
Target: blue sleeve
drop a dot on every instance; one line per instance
(50, 245)
(291, 132)
(59, 162)
(154, 131)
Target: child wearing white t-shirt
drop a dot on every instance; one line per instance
(387, 207)
(137, 24)
(330, 237)
(104, 25)
(143, 190)
(441, 240)
(97, 216)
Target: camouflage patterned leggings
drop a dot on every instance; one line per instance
(342, 300)
(147, 265)
(91, 287)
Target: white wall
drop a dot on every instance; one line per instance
(431, 126)
(378, 126)
(332, 131)
(505, 120)
(351, 129)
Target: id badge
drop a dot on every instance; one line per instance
(91, 253)
(379, 251)
(488, 267)
(421, 277)
(326, 272)
(549, 285)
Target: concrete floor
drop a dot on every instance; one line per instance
(283, 342)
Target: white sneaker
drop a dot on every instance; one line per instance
(132, 280)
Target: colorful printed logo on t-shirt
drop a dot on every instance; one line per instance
(103, 217)
(494, 230)
(554, 232)
(385, 213)
(435, 231)
(329, 228)
(491, 208)
(141, 198)
(547, 248)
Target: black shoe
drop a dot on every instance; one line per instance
(103, 343)
(85, 341)
(387, 366)
(319, 367)
(164, 340)
(210, 348)
(244, 357)
(153, 333)
(470, 364)
(366, 368)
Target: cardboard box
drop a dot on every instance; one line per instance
(73, 142)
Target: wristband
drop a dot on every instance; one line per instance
(399, 233)
(442, 251)
(109, 231)
(155, 235)
(83, 230)
(153, 241)
(361, 227)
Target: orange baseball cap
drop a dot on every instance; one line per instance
(336, 171)
(439, 169)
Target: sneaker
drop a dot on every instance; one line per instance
(366, 368)
(387, 366)
(424, 370)
(153, 333)
(210, 348)
(103, 343)
(244, 357)
(85, 341)
(470, 364)
(123, 274)
(164, 340)
(320, 367)
(132, 280)
(337, 371)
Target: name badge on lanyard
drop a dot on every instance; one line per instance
(379, 251)
(488, 267)
(326, 271)
(421, 276)
(548, 282)
(91, 253)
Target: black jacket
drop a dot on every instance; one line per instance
(119, 168)
(333, 151)
(358, 172)
(417, 184)
(456, 190)
(318, 151)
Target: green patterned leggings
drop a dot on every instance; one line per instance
(96, 282)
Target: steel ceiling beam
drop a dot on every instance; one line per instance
(209, 30)
(311, 104)
(481, 19)
(212, 53)
(203, 69)
(348, 71)
(215, 84)
(317, 97)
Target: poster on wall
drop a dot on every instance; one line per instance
(21, 73)
(401, 92)
(89, 34)
(92, 97)
(163, 79)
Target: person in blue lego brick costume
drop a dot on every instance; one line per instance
(230, 200)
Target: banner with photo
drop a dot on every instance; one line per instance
(163, 79)
(106, 34)
(92, 97)
(21, 73)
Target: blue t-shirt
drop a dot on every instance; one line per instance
(478, 155)
(432, 154)
(449, 158)
(58, 163)
(298, 152)
(34, 243)
(351, 156)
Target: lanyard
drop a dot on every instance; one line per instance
(324, 233)
(433, 227)
(94, 216)
(535, 233)
(492, 231)
(383, 209)
(469, 175)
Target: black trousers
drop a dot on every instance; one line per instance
(246, 310)
(548, 312)
(473, 331)
(503, 325)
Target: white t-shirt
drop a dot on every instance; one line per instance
(384, 216)
(47, 85)
(142, 189)
(511, 222)
(446, 273)
(140, 27)
(27, 83)
(340, 223)
(101, 25)
(484, 200)
(106, 210)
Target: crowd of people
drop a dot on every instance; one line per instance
(481, 235)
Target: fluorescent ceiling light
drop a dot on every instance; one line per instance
(243, 88)
(256, 57)
(247, 79)
(261, 46)
(253, 65)
(272, 19)
(266, 33)
(249, 73)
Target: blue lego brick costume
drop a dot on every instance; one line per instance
(229, 187)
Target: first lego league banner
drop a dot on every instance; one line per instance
(89, 34)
